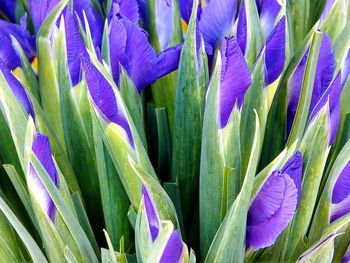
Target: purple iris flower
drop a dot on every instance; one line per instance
(17, 89)
(174, 248)
(341, 194)
(94, 19)
(129, 48)
(104, 98)
(41, 149)
(8, 55)
(217, 21)
(40, 9)
(268, 13)
(128, 9)
(323, 88)
(75, 46)
(274, 46)
(274, 205)
(8, 7)
(235, 78)
(186, 9)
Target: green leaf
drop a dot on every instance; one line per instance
(254, 100)
(341, 46)
(231, 143)
(15, 116)
(164, 144)
(301, 116)
(233, 228)
(335, 20)
(165, 97)
(115, 202)
(110, 246)
(69, 256)
(83, 220)
(30, 78)
(322, 251)
(26, 238)
(80, 148)
(11, 248)
(322, 215)
(211, 165)
(275, 134)
(21, 190)
(49, 90)
(188, 118)
(82, 241)
(59, 151)
(133, 102)
(315, 149)
(8, 150)
(299, 28)
(254, 35)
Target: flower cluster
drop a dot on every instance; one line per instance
(175, 131)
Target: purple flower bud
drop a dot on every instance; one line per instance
(41, 149)
(174, 248)
(274, 206)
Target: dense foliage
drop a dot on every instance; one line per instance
(175, 131)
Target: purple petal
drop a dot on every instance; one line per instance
(323, 77)
(324, 70)
(294, 168)
(271, 211)
(275, 51)
(75, 47)
(152, 216)
(235, 78)
(186, 9)
(341, 189)
(173, 250)
(341, 194)
(332, 95)
(104, 98)
(17, 89)
(340, 209)
(117, 39)
(164, 22)
(217, 20)
(131, 49)
(8, 56)
(8, 7)
(39, 10)
(268, 14)
(168, 60)
(94, 19)
(41, 148)
(128, 9)
(242, 28)
(142, 58)
(143, 10)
